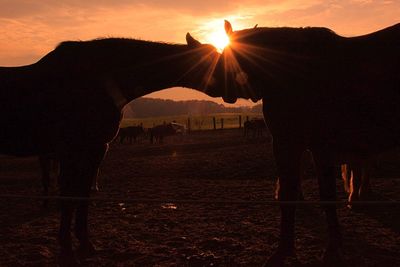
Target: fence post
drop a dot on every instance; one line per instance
(222, 123)
(214, 123)
(240, 121)
(188, 125)
(247, 118)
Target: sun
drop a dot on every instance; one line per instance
(218, 38)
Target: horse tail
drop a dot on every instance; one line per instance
(346, 176)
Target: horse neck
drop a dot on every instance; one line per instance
(165, 70)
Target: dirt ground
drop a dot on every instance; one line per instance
(203, 166)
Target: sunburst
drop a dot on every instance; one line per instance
(218, 38)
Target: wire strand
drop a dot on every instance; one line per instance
(196, 201)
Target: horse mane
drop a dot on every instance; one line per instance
(304, 34)
(117, 42)
(286, 34)
(108, 46)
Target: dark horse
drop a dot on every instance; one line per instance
(158, 132)
(337, 96)
(130, 133)
(257, 126)
(70, 103)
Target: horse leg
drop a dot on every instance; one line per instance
(68, 176)
(45, 166)
(90, 162)
(355, 183)
(288, 162)
(327, 189)
(95, 183)
(365, 188)
(346, 177)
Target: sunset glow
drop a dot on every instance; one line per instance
(219, 39)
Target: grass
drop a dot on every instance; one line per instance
(198, 122)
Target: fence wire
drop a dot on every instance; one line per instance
(212, 201)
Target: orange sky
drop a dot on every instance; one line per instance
(31, 28)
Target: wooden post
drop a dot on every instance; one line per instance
(247, 118)
(188, 125)
(222, 123)
(214, 123)
(240, 121)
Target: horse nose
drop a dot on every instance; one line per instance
(229, 99)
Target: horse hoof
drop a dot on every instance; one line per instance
(86, 251)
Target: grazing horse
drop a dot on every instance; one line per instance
(158, 132)
(257, 126)
(71, 102)
(130, 132)
(337, 96)
(179, 128)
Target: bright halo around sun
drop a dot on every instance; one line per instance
(219, 39)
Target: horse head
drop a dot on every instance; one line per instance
(201, 61)
(232, 73)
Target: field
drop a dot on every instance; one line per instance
(196, 122)
(185, 226)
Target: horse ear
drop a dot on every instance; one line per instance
(228, 28)
(191, 41)
(255, 26)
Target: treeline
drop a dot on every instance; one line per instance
(151, 107)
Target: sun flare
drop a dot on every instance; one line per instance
(219, 39)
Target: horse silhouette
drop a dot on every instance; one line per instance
(337, 96)
(179, 128)
(130, 133)
(256, 126)
(158, 132)
(71, 102)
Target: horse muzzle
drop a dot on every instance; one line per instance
(229, 99)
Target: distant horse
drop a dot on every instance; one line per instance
(157, 133)
(257, 126)
(71, 102)
(179, 128)
(337, 96)
(131, 132)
